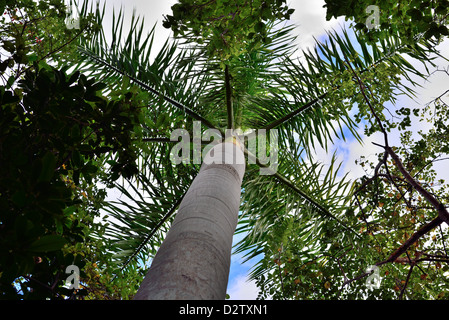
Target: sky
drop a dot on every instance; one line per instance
(309, 18)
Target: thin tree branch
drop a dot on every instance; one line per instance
(401, 294)
(442, 212)
(403, 248)
(442, 237)
(362, 90)
(410, 241)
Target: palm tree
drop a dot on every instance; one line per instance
(194, 259)
(307, 101)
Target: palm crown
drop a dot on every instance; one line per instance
(250, 85)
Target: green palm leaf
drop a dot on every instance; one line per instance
(269, 90)
(267, 203)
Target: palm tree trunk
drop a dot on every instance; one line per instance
(193, 261)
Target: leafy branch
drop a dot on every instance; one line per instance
(438, 206)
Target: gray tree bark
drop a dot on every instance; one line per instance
(193, 261)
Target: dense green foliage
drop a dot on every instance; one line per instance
(305, 257)
(406, 19)
(78, 113)
(397, 209)
(59, 137)
(55, 131)
(34, 32)
(311, 233)
(389, 216)
(230, 28)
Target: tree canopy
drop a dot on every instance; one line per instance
(406, 19)
(229, 28)
(81, 114)
(59, 137)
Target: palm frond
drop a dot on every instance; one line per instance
(302, 111)
(269, 90)
(137, 225)
(164, 75)
(140, 217)
(266, 202)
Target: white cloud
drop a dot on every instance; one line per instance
(242, 289)
(310, 17)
